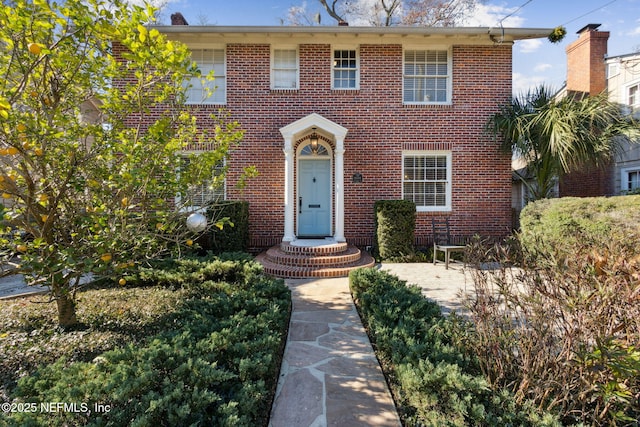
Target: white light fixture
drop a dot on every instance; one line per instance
(196, 222)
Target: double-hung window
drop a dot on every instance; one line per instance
(427, 77)
(345, 69)
(633, 97)
(630, 180)
(202, 91)
(427, 179)
(284, 69)
(206, 191)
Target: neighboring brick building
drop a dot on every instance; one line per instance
(336, 118)
(590, 72)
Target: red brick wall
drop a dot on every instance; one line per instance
(592, 182)
(380, 127)
(586, 70)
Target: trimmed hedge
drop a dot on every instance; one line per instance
(231, 238)
(216, 362)
(434, 379)
(568, 223)
(395, 224)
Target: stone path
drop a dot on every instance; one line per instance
(330, 375)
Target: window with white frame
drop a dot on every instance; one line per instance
(208, 191)
(426, 77)
(630, 180)
(633, 96)
(345, 69)
(202, 91)
(284, 69)
(427, 179)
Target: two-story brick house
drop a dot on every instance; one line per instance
(336, 118)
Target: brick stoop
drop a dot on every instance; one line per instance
(313, 258)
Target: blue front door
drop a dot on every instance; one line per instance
(314, 198)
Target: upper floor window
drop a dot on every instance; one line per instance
(345, 69)
(427, 77)
(284, 69)
(634, 96)
(427, 180)
(208, 91)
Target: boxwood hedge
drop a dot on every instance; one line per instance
(434, 379)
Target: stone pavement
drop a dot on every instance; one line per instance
(14, 286)
(330, 375)
(438, 284)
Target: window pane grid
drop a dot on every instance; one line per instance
(345, 68)
(425, 180)
(426, 76)
(634, 180)
(208, 92)
(206, 192)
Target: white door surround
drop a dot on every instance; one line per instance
(293, 132)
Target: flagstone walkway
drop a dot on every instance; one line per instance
(330, 375)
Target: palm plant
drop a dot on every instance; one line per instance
(555, 136)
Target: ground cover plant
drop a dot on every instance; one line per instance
(189, 342)
(435, 380)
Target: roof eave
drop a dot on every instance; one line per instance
(498, 34)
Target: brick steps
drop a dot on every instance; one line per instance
(313, 259)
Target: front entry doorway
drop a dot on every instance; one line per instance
(314, 197)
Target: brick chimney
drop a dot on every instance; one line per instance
(178, 19)
(586, 76)
(586, 71)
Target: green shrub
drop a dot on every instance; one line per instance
(231, 238)
(434, 379)
(563, 224)
(215, 361)
(395, 223)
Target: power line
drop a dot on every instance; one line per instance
(588, 13)
(514, 12)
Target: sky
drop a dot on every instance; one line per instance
(535, 62)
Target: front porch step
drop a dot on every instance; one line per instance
(293, 261)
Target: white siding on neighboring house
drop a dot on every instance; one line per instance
(623, 84)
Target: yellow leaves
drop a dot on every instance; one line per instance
(6, 196)
(124, 202)
(4, 108)
(142, 33)
(12, 151)
(43, 198)
(38, 151)
(21, 248)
